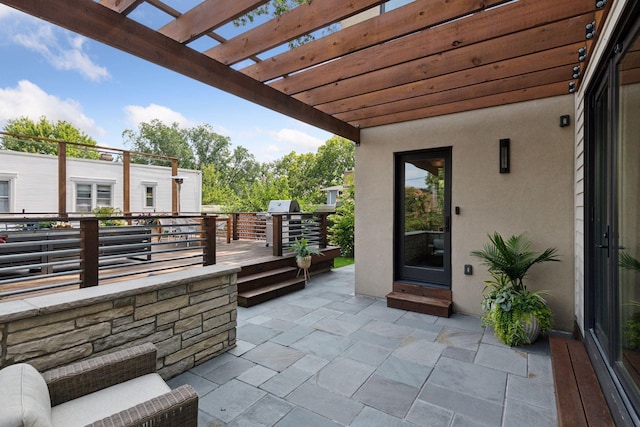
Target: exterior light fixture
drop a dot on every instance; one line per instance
(590, 30)
(576, 72)
(572, 87)
(504, 155)
(565, 121)
(582, 53)
(601, 3)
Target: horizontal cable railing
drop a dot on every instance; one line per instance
(81, 253)
(49, 252)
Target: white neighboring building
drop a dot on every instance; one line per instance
(29, 183)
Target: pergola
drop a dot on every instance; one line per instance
(424, 59)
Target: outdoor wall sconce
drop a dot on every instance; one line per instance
(565, 121)
(504, 155)
(582, 53)
(590, 30)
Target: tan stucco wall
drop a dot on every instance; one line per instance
(536, 197)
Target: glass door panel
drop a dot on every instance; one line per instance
(423, 208)
(628, 217)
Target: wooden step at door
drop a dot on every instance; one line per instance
(265, 278)
(421, 299)
(267, 292)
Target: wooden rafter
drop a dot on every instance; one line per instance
(424, 59)
(302, 20)
(100, 23)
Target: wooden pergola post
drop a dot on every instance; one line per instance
(174, 187)
(62, 179)
(126, 182)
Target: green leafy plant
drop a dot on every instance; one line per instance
(507, 303)
(302, 249)
(105, 213)
(507, 310)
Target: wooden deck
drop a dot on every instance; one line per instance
(248, 254)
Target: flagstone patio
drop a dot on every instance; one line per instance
(325, 357)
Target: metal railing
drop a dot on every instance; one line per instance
(35, 258)
(48, 252)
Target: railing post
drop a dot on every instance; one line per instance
(89, 239)
(277, 235)
(209, 254)
(323, 231)
(236, 221)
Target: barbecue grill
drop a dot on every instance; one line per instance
(275, 207)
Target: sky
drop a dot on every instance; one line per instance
(48, 71)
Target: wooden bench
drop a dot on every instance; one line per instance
(579, 398)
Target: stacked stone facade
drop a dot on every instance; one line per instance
(190, 316)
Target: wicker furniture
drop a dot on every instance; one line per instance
(117, 389)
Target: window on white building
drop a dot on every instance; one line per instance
(91, 195)
(4, 196)
(149, 196)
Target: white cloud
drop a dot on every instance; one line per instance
(137, 114)
(29, 100)
(298, 140)
(62, 49)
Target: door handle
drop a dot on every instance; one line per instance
(447, 225)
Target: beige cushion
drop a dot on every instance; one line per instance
(103, 403)
(24, 397)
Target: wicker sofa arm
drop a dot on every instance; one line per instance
(87, 376)
(178, 407)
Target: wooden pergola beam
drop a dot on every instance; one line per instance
(522, 43)
(481, 27)
(302, 20)
(373, 31)
(563, 57)
(104, 25)
(522, 95)
(207, 16)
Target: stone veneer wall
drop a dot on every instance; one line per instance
(189, 315)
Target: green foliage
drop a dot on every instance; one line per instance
(106, 212)
(507, 303)
(309, 172)
(632, 332)
(302, 249)
(340, 261)
(157, 138)
(344, 221)
(507, 309)
(275, 8)
(512, 258)
(60, 130)
(257, 196)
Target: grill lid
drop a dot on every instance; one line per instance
(283, 206)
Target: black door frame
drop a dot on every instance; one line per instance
(604, 359)
(427, 277)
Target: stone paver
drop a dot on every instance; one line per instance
(325, 357)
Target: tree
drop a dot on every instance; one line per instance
(343, 228)
(60, 130)
(258, 195)
(157, 138)
(310, 172)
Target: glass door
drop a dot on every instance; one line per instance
(423, 217)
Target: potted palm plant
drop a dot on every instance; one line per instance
(517, 314)
(303, 252)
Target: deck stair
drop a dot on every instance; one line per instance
(421, 299)
(261, 281)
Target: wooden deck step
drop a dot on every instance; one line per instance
(265, 293)
(419, 303)
(422, 299)
(579, 398)
(264, 278)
